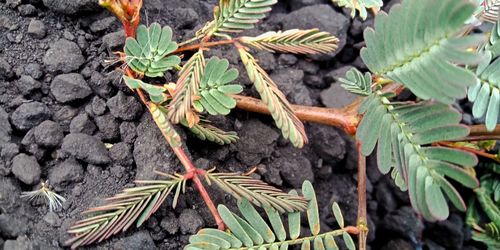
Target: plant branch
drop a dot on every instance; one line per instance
(481, 132)
(362, 221)
(203, 45)
(346, 118)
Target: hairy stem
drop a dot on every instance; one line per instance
(362, 222)
(346, 118)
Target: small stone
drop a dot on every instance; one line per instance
(114, 40)
(69, 88)
(34, 70)
(86, 148)
(101, 85)
(327, 143)
(27, 10)
(13, 3)
(68, 36)
(29, 115)
(5, 69)
(124, 107)
(102, 24)
(294, 167)
(190, 221)
(138, 241)
(65, 173)
(52, 219)
(127, 132)
(12, 227)
(121, 153)
(82, 124)
(403, 222)
(71, 7)
(98, 106)
(30, 145)
(26, 85)
(9, 150)
(5, 128)
(256, 138)
(109, 127)
(48, 134)
(26, 169)
(63, 56)
(170, 224)
(287, 59)
(64, 115)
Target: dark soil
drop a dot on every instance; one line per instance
(61, 100)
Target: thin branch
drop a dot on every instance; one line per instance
(472, 150)
(203, 45)
(362, 221)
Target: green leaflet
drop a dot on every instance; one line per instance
(401, 134)
(155, 92)
(215, 89)
(485, 93)
(238, 15)
(205, 131)
(360, 5)
(148, 52)
(281, 110)
(357, 83)
(420, 54)
(255, 232)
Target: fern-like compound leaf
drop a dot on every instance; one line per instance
(360, 5)
(186, 89)
(148, 53)
(494, 42)
(252, 231)
(257, 192)
(159, 115)
(357, 83)
(281, 110)
(486, 93)
(215, 91)
(133, 205)
(401, 133)
(294, 41)
(490, 10)
(415, 45)
(238, 15)
(205, 131)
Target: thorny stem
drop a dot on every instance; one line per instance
(362, 222)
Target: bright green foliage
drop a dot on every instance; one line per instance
(486, 94)
(205, 131)
(257, 192)
(239, 15)
(360, 5)
(400, 133)
(494, 42)
(357, 83)
(415, 45)
(155, 92)
(281, 110)
(148, 53)
(252, 231)
(215, 90)
(488, 199)
(132, 206)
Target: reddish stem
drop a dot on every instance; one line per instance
(191, 169)
(468, 149)
(362, 218)
(203, 45)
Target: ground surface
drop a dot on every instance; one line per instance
(60, 101)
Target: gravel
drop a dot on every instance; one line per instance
(86, 148)
(48, 134)
(37, 29)
(68, 88)
(29, 115)
(66, 173)
(124, 107)
(63, 56)
(26, 169)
